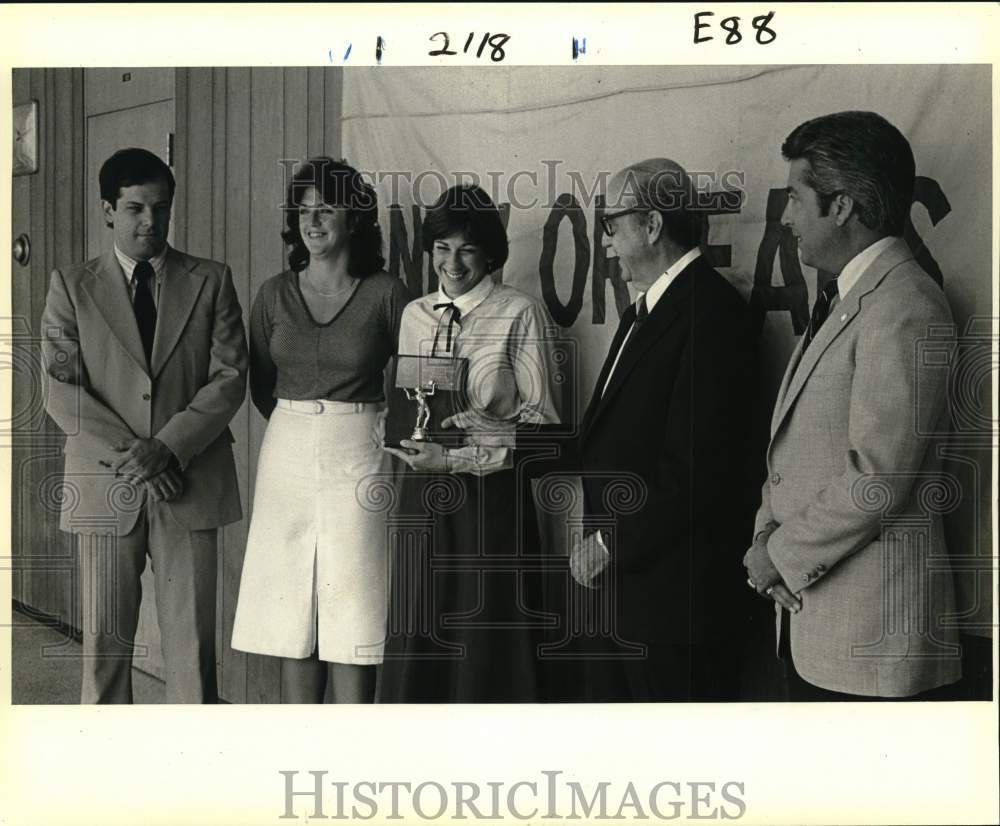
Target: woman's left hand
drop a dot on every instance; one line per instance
(421, 455)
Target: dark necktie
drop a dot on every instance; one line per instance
(144, 306)
(631, 321)
(641, 313)
(455, 315)
(821, 309)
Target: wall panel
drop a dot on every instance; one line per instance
(232, 128)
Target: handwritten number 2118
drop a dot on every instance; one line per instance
(497, 41)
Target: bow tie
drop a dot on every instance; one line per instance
(453, 319)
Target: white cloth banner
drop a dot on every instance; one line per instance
(530, 135)
(544, 140)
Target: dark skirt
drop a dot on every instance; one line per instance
(465, 605)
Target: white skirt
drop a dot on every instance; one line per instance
(315, 569)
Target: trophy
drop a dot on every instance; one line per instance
(420, 395)
(426, 390)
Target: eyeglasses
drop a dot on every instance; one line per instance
(607, 219)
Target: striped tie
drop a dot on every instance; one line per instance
(821, 309)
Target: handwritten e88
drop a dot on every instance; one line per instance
(731, 25)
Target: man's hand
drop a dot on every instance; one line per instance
(165, 486)
(420, 455)
(765, 578)
(587, 558)
(141, 459)
(782, 595)
(759, 567)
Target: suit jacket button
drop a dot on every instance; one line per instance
(146, 397)
(821, 568)
(806, 577)
(776, 479)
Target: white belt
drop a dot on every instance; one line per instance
(318, 406)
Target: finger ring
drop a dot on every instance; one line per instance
(751, 583)
(769, 589)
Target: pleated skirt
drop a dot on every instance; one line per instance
(465, 614)
(315, 570)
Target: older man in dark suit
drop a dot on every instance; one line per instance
(670, 408)
(145, 355)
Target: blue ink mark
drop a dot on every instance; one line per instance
(579, 47)
(347, 54)
(379, 47)
(330, 53)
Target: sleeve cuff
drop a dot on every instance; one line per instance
(174, 448)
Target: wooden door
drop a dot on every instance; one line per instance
(147, 127)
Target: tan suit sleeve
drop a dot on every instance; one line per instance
(764, 521)
(191, 430)
(94, 426)
(885, 448)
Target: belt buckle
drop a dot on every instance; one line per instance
(320, 406)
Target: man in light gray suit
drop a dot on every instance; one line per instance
(848, 539)
(146, 358)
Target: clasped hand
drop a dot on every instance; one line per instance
(766, 580)
(587, 558)
(141, 459)
(165, 486)
(149, 462)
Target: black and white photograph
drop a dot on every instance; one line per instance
(510, 386)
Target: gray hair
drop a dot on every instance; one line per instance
(663, 185)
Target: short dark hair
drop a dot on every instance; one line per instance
(861, 155)
(468, 210)
(132, 167)
(338, 185)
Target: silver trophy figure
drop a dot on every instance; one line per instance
(420, 396)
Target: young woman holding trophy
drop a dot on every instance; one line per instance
(461, 622)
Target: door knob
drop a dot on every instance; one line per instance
(22, 249)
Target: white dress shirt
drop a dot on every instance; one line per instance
(859, 263)
(128, 267)
(501, 331)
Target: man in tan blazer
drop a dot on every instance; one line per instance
(145, 360)
(848, 538)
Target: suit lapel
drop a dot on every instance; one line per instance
(779, 402)
(178, 293)
(839, 320)
(628, 317)
(106, 286)
(671, 304)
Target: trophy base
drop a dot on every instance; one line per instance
(441, 382)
